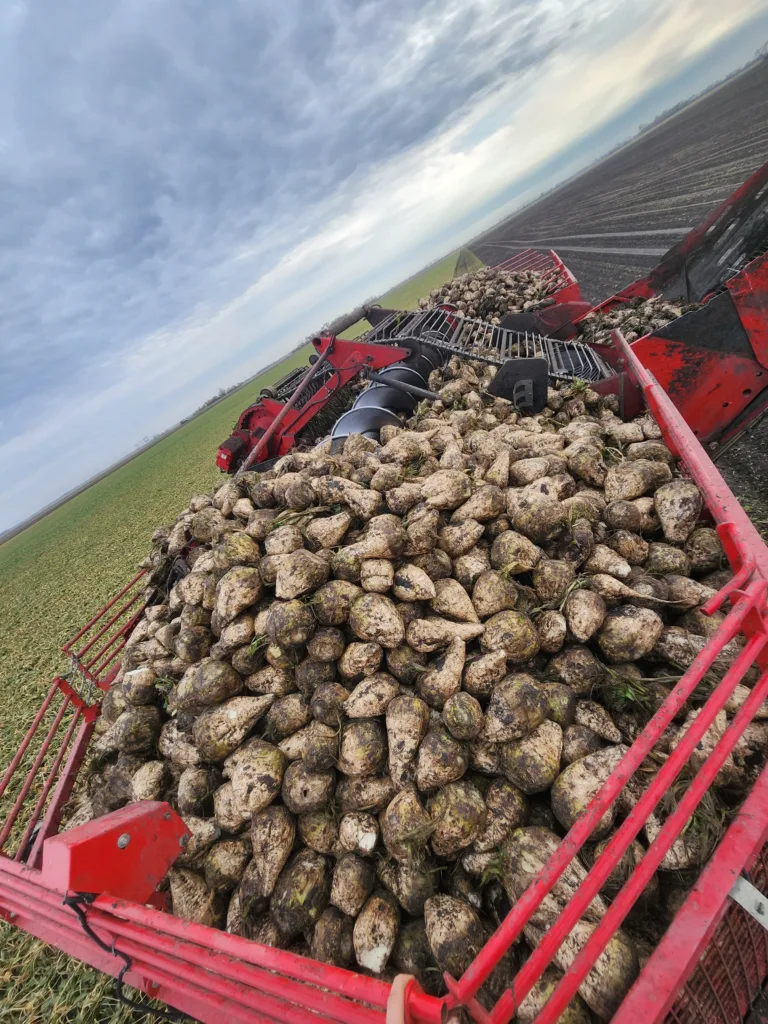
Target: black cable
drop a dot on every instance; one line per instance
(76, 903)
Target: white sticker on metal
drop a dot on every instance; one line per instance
(751, 899)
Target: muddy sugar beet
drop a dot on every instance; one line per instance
(394, 677)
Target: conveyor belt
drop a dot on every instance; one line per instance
(475, 339)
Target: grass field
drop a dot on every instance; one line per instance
(53, 576)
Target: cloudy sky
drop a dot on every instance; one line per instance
(188, 188)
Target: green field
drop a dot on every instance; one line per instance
(53, 576)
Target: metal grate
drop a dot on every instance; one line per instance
(38, 781)
(442, 329)
(93, 653)
(529, 259)
(731, 971)
(547, 264)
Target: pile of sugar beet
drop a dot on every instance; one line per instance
(393, 678)
(490, 292)
(634, 319)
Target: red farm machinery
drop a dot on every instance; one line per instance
(711, 361)
(95, 891)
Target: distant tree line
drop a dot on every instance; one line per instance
(323, 330)
(221, 393)
(761, 54)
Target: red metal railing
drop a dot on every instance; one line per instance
(565, 287)
(711, 964)
(529, 259)
(213, 975)
(749, 557)
(62, 715)
(99, 668)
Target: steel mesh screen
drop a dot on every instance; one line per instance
(731, 970)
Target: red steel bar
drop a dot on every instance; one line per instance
(97, 671)
(33, 772)
(269, 985)
(259, 999)
(528, 259)
(619, 844)
(346, 983)
(54, 688)
(641, 875)
(136, 597)
(520, 914)
(205, 950)
(74, 697)
(126, 628)
(56, 927)
(107, 681)
(68, 645)
(52, 776)
(189, 996)
(264, 440)
(728, 534)
(422, 1008)
(64, 787)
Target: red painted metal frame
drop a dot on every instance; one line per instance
(749, 291)
(69, 711)
(216, 976)
(262, 443)
(571, 291)
(550, 265)
(64, 786)
(656, 279)
(711, 388)
(127, 852)
(124, 619)
(749, 558)
(347, 358)
(679, 952)
(720, 221)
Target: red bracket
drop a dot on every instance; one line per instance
(126, 853)
(749, 291)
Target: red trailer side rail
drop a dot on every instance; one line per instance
(565, 286)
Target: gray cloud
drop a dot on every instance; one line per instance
(147, 141)
(158, 159)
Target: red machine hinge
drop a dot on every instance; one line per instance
(126, 853)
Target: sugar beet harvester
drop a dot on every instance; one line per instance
(711, 361)
(330, 397)
(95, 891)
